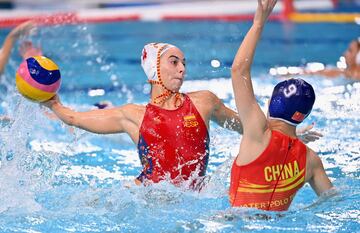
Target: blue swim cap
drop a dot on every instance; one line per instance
(291, 101)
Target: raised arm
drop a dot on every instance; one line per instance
(104, 121)
(253, 119)
(10, 40)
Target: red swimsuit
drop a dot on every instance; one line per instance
(173, 144)
(271, 181)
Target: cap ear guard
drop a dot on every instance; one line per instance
(292, 101)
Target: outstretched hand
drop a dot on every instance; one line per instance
(306, 134)
(51, 102)
(263, 11)
(27, 49)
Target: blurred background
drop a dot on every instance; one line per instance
(69, 4)
(113, 10)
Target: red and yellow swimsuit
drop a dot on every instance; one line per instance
(173, 144)
(272, 180)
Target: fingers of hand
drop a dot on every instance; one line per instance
(273, 3)
(316, 134)
(310, 138)
(306, 129)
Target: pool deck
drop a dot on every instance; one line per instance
(227, 10)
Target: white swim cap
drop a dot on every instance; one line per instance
(150, 59)
(150, 62)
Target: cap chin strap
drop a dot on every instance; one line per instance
(160, 99)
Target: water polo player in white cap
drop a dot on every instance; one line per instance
(272, 163)
(171, 131)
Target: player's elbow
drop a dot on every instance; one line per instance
(236, 67)
(239, 69)
(72, 120)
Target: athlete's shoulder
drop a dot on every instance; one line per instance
(206, 102)
(203, 94)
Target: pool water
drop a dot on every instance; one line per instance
(54, 178)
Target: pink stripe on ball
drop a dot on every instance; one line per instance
(23, 71)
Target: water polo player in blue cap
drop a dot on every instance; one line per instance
(272, 164)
